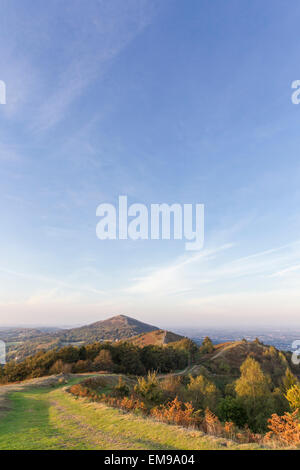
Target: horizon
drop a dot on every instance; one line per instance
(164, 103)
(182, 327)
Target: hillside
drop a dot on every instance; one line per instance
(113, 329)
(156, 338)
(227, 358)
(23, 343)
(40, 415)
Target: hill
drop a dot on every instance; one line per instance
(113, 329)
(156, 338)
(23, 343)
(227, 358)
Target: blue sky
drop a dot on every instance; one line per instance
(173, 101)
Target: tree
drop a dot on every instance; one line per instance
(252, 383)
(57, 367)
(253, 392)
(288, 380)
(103, 361)
(189, 346)
(293, 397)
(202, 393)
(230, 409)
(148, 388)
(207, 346)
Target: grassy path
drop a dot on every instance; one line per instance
(50, 418)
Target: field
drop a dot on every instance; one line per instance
(41, 415)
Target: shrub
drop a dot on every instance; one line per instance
(202, 393)
(293, 397)
(284, 430)
(148, 388)
(230, 409)
(172, 387)
(121, 389)
(211, 424)
(177, 412)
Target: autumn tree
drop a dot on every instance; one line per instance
(104, 361)
(148, 388)
(253, 392)
(288, 380)
(293, 397)
(207, 346)
(202, 393)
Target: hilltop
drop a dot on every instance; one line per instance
(23, 343)
(156, 338)
(227, 358)
(113, 329)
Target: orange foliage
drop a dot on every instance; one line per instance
(284, 430)
(211, 424)
(174, 412)
(177, 412)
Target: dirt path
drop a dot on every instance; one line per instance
(91, 436)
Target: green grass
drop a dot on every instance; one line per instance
(50, 418)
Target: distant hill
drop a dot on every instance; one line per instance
(113, 329)
(22, 342)
(157, 338)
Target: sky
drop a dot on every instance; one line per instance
(165, 102)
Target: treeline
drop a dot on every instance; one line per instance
(122, 357)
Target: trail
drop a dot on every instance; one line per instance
(41, 415)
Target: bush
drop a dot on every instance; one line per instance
(121, 389)
(284, 430)
(148, 388)
(293, 397)
(230, 409)
(202, 393)
(172, 387)
(176, 412)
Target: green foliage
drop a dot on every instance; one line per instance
(230, 409)
(120, 357)
(280, 403)
(289, 380)
(189, 346)
(207, 346)
(202, 393)
(148, 388)
(252, 383)
(254, 394)
(121, 389)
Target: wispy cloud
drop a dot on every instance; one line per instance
(105, 30)
(173, 278)
(191, 274)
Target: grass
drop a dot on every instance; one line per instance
(50, 418)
